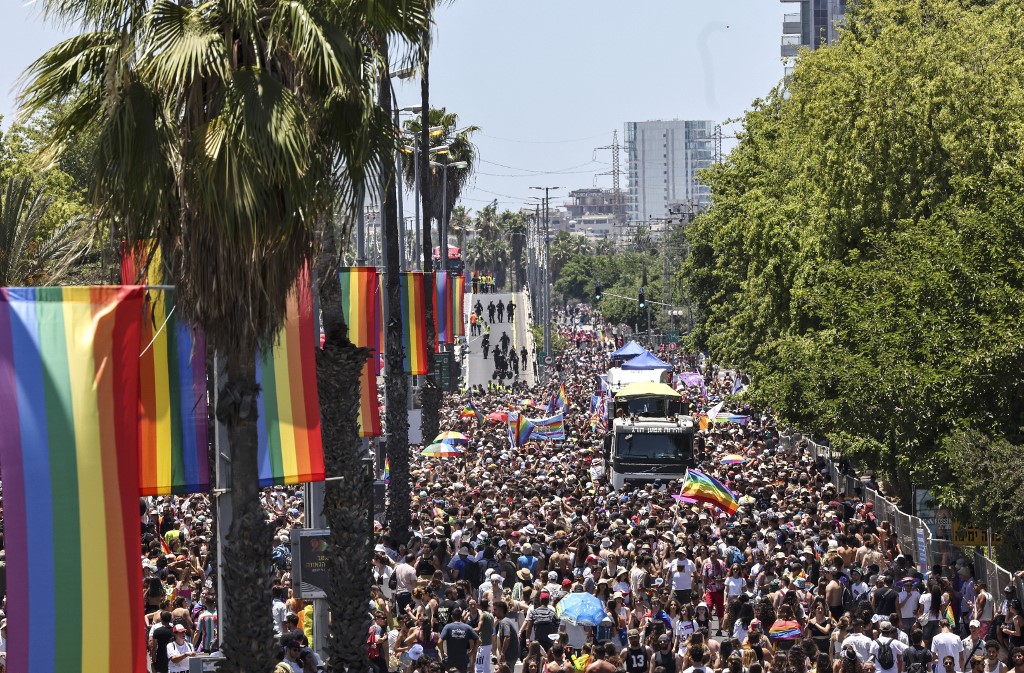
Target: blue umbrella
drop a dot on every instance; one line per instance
(581, 609)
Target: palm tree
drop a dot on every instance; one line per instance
(460, 148)
(487, 222)
(514, 227)
(431, 181)
(221, 130)
(29, 256)
(460, 224)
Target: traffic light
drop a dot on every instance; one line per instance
(641, 298)
(597, 292)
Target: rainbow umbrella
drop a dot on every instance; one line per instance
(451, 437)
(733, 459)
(441, 451)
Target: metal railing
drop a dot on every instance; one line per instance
(914, 535)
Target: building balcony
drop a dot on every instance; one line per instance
(791, 24)
(791, 45)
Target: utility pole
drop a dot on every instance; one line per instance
(547, 267)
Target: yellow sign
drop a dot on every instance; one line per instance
(968, 536)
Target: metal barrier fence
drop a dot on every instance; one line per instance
(914, 536)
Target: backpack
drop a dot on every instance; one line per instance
(736, 556)
(885, 657)
(372, 648)
(393, 581)
(545, 622)
(282, 556)
(472, 573)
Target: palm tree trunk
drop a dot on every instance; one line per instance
(430, 423)
(347, 501)
(397, 391)
(247, 579)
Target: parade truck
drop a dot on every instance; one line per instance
(650, 437)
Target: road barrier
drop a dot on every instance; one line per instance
(915, 536)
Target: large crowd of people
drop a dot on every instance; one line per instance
(801, 578)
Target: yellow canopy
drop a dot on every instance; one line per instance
(646, 389)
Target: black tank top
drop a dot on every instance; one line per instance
(666, 660)
(636, 660)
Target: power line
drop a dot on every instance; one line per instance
(540, 142)
(535, 172)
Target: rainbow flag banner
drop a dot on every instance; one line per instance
(458, 307)
(360, 302)
(552, 428)
(69, 387)
(290, 447)
(387, 469)
(173, 420)
(414, 323)
(703, 488)
(442, 308)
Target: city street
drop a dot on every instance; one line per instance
(481, 370)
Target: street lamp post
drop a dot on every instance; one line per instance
(443, 225)
(547, 268)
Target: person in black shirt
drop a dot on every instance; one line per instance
(162, 635)
(665, 658)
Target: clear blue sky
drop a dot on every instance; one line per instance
(548, 81)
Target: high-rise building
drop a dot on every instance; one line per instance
(816, 24)
(663, 158)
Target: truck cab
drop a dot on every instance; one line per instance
(646, 448)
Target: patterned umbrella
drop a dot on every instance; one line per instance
(581, 609)
(497, 417)
(441, 451)
(784, 629)
(733, 459)
(451, 437)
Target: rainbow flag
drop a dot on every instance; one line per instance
(360, 290)
(559, 401)
(703, 488)
(949, 616)
(387, 469)
(519, 429)
(69, 386)
(414, 327)
(458, 307)
(552, 428)
(442, 309)
(290, 447)
(470, 411)
(173, 420)
(784, 629)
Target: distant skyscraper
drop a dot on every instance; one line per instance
(663, 158)
(816, 24)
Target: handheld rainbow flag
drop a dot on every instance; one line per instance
(458, 307)
(69, 386)
(290, 447)
(703, 488)
(948, 614)
(519, 429)
(414, 328)
(784, 629)
(173, 419)
(387, 469)
(360, 303)
(470, 411)
(442, 308)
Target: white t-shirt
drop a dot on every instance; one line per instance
(682, 574)
(947, 645)
(734, 586)
(861, 644)
(173, 650)
(913, 598)
(898, 649)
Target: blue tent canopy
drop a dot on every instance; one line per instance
(630, 350)
(646, 361)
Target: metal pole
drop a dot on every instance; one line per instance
(443, 226)
(401, 197)
(547, 274)
(417, 255)
(361, 230)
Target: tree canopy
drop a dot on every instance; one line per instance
(862, 256)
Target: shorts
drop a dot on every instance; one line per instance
(683, 595)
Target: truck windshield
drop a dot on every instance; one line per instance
(668, 447)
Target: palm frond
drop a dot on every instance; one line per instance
(67, 67)
(182, 46)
